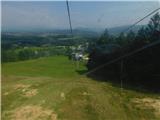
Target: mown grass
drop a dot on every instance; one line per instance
(59, 67)
(70, 95)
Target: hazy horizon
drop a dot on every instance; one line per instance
(32, 16)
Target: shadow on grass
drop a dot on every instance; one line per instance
(146, 86)
(81, 72)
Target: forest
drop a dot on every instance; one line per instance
(142, 67)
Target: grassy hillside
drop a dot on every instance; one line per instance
(52, 89)
(59, 67)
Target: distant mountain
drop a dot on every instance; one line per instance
(84, 32)
(98, 31)
(118, 30)
(80, 31)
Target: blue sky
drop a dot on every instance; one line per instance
(53, 15)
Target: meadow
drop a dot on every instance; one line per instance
(52, 88)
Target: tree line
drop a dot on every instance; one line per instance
(142, 67)
(26, 53)
(21, 46)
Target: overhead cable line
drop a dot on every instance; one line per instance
(141, 19)
(69, 17)
(131, 53)
(121, 57)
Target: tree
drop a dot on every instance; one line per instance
(26, 54)
(130, 36)
(105, 38)
(9, 56)
(153, 28)
(121, 40)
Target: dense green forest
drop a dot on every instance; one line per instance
(142, 67)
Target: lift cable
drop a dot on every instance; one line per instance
(69, 17)
(131, 53)
(141, 20)
(121, 57)
(124, 56)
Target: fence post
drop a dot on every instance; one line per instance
(121, 74)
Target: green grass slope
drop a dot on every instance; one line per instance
(51, 89)
(59, 67)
